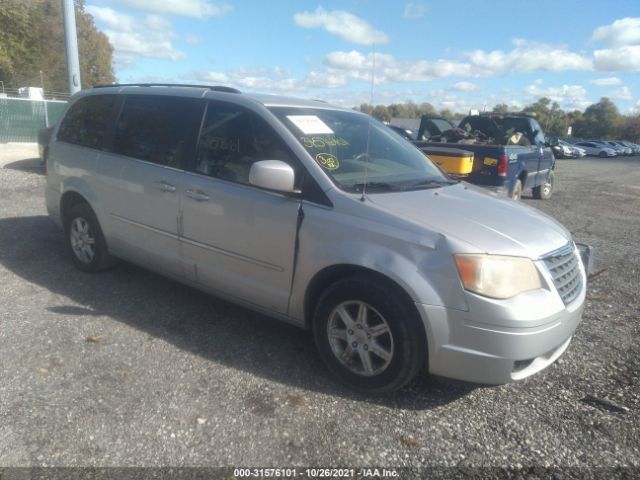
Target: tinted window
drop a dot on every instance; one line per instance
(233, 139)
(90, 121)
(157, 129)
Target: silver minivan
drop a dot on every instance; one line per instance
(321, 217)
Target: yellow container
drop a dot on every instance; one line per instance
(451, 160)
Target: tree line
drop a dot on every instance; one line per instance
(32, 40)
(600, 120)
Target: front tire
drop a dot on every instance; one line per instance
(368, 335)
(602, 154)
(85, 240)
(544, 191)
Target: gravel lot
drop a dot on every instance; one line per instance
(127, 368)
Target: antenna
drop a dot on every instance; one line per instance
(366, 164)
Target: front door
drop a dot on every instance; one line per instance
(238, 239)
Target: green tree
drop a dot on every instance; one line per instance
(381, 112)
(600, 120)
(32, 40)
(366, 108)
(631, 129)
(501, 108)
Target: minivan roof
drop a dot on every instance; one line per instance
(211, 91)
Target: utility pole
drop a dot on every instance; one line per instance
(44, 101)
(71, 44)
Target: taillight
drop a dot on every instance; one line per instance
(503, 165)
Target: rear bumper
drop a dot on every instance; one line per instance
(462, 348)
(52, 200)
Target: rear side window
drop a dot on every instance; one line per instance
(90, 121)
(158, 129)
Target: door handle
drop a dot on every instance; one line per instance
(197, 195)
(167, 187)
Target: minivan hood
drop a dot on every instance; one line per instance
(471, 215)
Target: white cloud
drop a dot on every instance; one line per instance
(606, 81)
(345, 25)
(414, 10)
(256, 78)
(132, 38)
(621, 59)
(110, 18)
(527, 57)
(192, 39)
(622, 93)
(464, 86)
(358, 66)
(625, 31)
(568, 96)
(156, 22)
(129, 46)
(187, 8)
(623, 39)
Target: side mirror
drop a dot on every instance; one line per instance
(272, 175)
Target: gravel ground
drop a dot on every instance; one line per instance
(127, 368)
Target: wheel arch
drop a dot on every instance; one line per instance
(331, 274)
(522, 176)
(68, 200)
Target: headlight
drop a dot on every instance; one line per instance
(497, 276)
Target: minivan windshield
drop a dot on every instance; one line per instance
(354, 149)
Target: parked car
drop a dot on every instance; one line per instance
(510, 152)
(634, 147)
(596, 149)
(567, 150)
(406, 133)
(321, 217)
(618, 147)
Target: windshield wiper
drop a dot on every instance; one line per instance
(358, 187)
(428, 184)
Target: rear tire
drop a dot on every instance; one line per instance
(45, 156)
(85, 240)
(368, 335)
(544, 191)
(516, 193)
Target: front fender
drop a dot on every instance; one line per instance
(423, 267)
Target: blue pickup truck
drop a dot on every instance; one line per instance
(510, 151)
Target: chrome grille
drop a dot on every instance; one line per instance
(564, 268)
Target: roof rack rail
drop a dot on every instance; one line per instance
(508, 114)
(215, 88)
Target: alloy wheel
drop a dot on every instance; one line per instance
(82, 240)
(360, 338)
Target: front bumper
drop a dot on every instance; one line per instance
(500, 341)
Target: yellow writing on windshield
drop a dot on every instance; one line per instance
(327, 161)
(321, 142)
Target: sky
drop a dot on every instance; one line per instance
(460, 55)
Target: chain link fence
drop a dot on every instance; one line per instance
(21, 118)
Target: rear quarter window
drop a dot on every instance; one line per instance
(90, 121)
